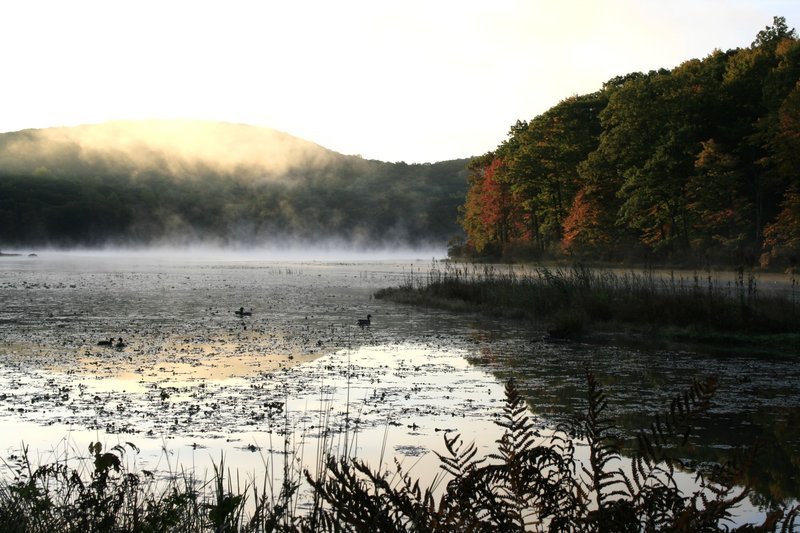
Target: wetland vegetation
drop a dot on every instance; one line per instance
(573, 300)
(534, 481)
(694, 165)
(196, 378)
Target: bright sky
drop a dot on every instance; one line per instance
(395, 80)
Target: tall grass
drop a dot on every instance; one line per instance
(102, 492)
(531, 483)
(572, 298)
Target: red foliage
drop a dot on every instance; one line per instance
(495, 198)
(487, 205)
(582, 227)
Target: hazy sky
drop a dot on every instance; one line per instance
(406, 80)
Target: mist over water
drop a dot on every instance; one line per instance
(193, 185)
(325, 251)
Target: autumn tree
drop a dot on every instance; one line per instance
(698, 162)
(583, 227)
(542, 165)
(488, 213)
(718, 203)
(782, 236)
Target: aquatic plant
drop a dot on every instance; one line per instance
(102, 494)
(534, 481)
(568, 300)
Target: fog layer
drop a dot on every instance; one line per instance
(169, 183)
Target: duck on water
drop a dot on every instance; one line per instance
(118, 344)
(242, 312)
(364, 322)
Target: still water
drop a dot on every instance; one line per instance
(193, 381)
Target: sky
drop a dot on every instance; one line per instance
(410, 80)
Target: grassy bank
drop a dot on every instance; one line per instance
(532, 482)
(571, 301)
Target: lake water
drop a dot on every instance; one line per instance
(195, 381)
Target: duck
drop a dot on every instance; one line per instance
(120, 344)
(242, 312)
(109, 342)
(364, 322)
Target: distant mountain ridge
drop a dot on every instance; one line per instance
(173, 146)
(145, 182)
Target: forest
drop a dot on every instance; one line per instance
(165, 182)
(695, 165)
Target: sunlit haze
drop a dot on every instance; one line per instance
(412, 81)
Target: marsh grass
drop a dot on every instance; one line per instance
(569, 300)
(103, 492)
(532, 482)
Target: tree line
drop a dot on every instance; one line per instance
(698, 163)
(351, 200)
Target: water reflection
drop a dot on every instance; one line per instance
(760, 410)
(197, 380)
(377, 403)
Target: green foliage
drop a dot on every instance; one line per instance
(692, 164)
(536, 169)
(123, 197)
(775, 33)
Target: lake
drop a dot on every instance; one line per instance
(194, 381)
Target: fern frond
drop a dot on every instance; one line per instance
(652, 485)
(459, 458)
(603, 444)
(520, 430)
(790, 520)
(676, 424)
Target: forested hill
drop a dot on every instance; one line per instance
(699, 163)
(187, 182)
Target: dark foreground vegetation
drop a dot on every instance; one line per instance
(532, 482)
(572, 300)
(685, 166)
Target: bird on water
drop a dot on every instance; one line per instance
(364, 322)
(242, 312)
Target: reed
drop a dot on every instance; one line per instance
(571, 299)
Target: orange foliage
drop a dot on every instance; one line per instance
(487, 207)
(582, 226)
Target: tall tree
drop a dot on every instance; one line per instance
(488, 215)
(699, 161)
(782, 236)
(718, 204)
(543, 164)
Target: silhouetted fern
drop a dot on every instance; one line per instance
(532, 483)
(651, 486)
(603, 486)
